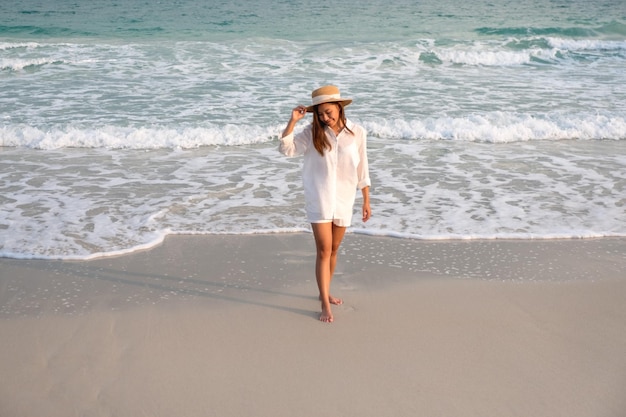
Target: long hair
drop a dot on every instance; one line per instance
(320, 141)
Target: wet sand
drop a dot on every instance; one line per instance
(227, 326)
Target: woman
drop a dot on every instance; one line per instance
(335, 166)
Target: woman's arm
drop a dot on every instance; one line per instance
(363, 175)
(288, 145)
(367, 211)
(296, 115)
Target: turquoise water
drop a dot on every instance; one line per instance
(367, 20)
(123, 122)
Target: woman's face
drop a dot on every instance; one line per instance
(328, 114)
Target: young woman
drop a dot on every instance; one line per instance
(335, 166)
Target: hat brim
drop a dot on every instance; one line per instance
(343, 101)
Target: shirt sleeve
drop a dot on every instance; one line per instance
(363, 173)
(293, 145)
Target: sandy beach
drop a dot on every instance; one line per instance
(227, 326)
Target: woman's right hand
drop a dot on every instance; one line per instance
(298, 113)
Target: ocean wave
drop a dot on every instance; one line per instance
(114, 137)
(586, 44)
(41, 31)
(501, 127)
(15, 45)
(478, 57)
(519, 51)
(21, 64)
(613, 28)
(497, 127)
(17, 56)
(244, 58)
(536, 31)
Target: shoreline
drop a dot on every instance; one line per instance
(227, 325)
(359, 233)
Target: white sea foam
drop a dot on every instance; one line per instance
(586, 44)
(484, 57)
(83, 203)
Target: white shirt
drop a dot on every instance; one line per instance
(331, 181)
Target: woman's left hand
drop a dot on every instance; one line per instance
(367, 212)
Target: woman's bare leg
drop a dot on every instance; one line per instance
(338, 233)
(328, 237)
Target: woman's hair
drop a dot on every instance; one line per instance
(320, 141)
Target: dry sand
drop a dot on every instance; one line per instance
(227, 326)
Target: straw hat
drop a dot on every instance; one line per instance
(327, 94)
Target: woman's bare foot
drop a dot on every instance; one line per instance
(333, 300)
(327, 315)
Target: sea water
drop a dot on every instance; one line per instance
(122, 122)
